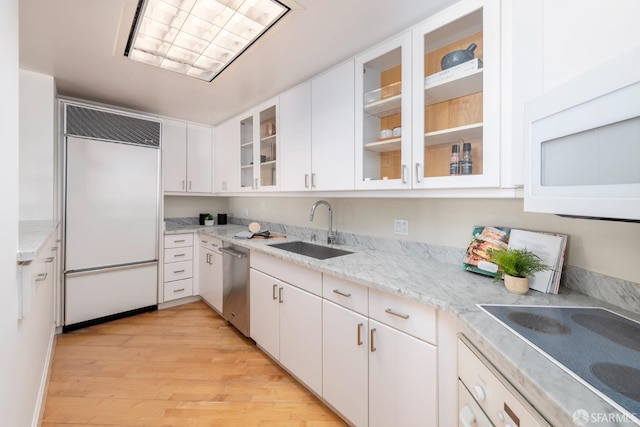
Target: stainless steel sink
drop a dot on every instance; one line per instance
(310, 249)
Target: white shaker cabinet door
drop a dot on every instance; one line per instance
(333, 129)
(301, 335)
(265, 312)
(227, 156)
(402, 379)
(199, 159)
(174, 155)
(345, 374)
(295, 138)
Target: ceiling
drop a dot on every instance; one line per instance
(81, 44)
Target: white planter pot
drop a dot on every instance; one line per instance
(208, 222)
(516, 285)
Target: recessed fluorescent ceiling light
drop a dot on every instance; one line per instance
(199, 38)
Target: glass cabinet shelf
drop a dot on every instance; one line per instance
(466, 132)
(384, 101)
(468, 83)
(392, 144)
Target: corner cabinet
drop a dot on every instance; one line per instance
(187, 153)
(259, 148)
(414, 119)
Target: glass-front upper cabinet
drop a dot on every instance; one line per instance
(383, 116)
(456, 98)
(258, 149)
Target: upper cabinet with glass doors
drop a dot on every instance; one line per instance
(383, 115)
(456, 98)
(259, 148)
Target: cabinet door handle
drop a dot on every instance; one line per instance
(274, 291)
(189, 185)
(40, 277)
(175, 291)
(404, 174)
(313, 180)
(256, 187)
(339, 292)
(306, 180)
(280, 299)
(418, 173)
(372, 345)
(49, 259)
(395, 313)
(360, 325)
(208, 258)
(204, 241)
(183, 185)
(178, 271)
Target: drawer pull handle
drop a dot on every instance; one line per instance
(53, 249)
(175, 291)
(274, 292)
(179, 241)
(40, 277)
(215, 245)
(372, 345)
(178, 271)
(204, 241)
(337, 291)
(179, 255)
(49, 259)
(395, 313)
(360, 325)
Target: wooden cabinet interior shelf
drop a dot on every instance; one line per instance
(465, 132)
(385, 145)
(384, 107)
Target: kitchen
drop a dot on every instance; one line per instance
(607, 248)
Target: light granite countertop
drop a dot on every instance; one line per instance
(31, 237)
(446, 286)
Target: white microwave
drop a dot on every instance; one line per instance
(583, 144)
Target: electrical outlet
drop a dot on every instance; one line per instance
(401, 227)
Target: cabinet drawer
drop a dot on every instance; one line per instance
(209, 242)
(178, 270)
(297, 275)
(408, 316)
(178, 289)
(178, 254)
(178, 240)
(347, 294)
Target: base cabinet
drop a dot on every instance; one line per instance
(402, 379)
(210, 269)
(345, 355)
(286, 322)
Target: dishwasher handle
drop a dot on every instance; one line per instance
(232, 252)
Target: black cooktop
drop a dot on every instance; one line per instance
(596, 346)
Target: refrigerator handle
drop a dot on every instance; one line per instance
(89, 271)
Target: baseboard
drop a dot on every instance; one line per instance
(177, 302)
(38, 413)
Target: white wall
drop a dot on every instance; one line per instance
(190, 206)
(605, 247)
(37, 106)
(10, 402)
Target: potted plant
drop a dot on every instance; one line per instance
(515, 266)
(208, 220)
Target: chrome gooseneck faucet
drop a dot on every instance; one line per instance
(331, 237)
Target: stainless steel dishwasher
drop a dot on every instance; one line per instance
(235, 287)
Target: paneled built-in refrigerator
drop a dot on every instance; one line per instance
(111, 218)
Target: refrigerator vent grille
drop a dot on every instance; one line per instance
(109, 126)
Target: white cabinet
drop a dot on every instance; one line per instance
(259, 148)
(332, 130)
(457, 108)
(210, 272)
(295, 139)
(345, 362)
(178, 266)
(375, 373)
(187, 152)
(402, 379)
(227, 156)
(32, 276)
(286, 319)
(383, 116)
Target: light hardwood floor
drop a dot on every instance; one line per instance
(182, 366)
